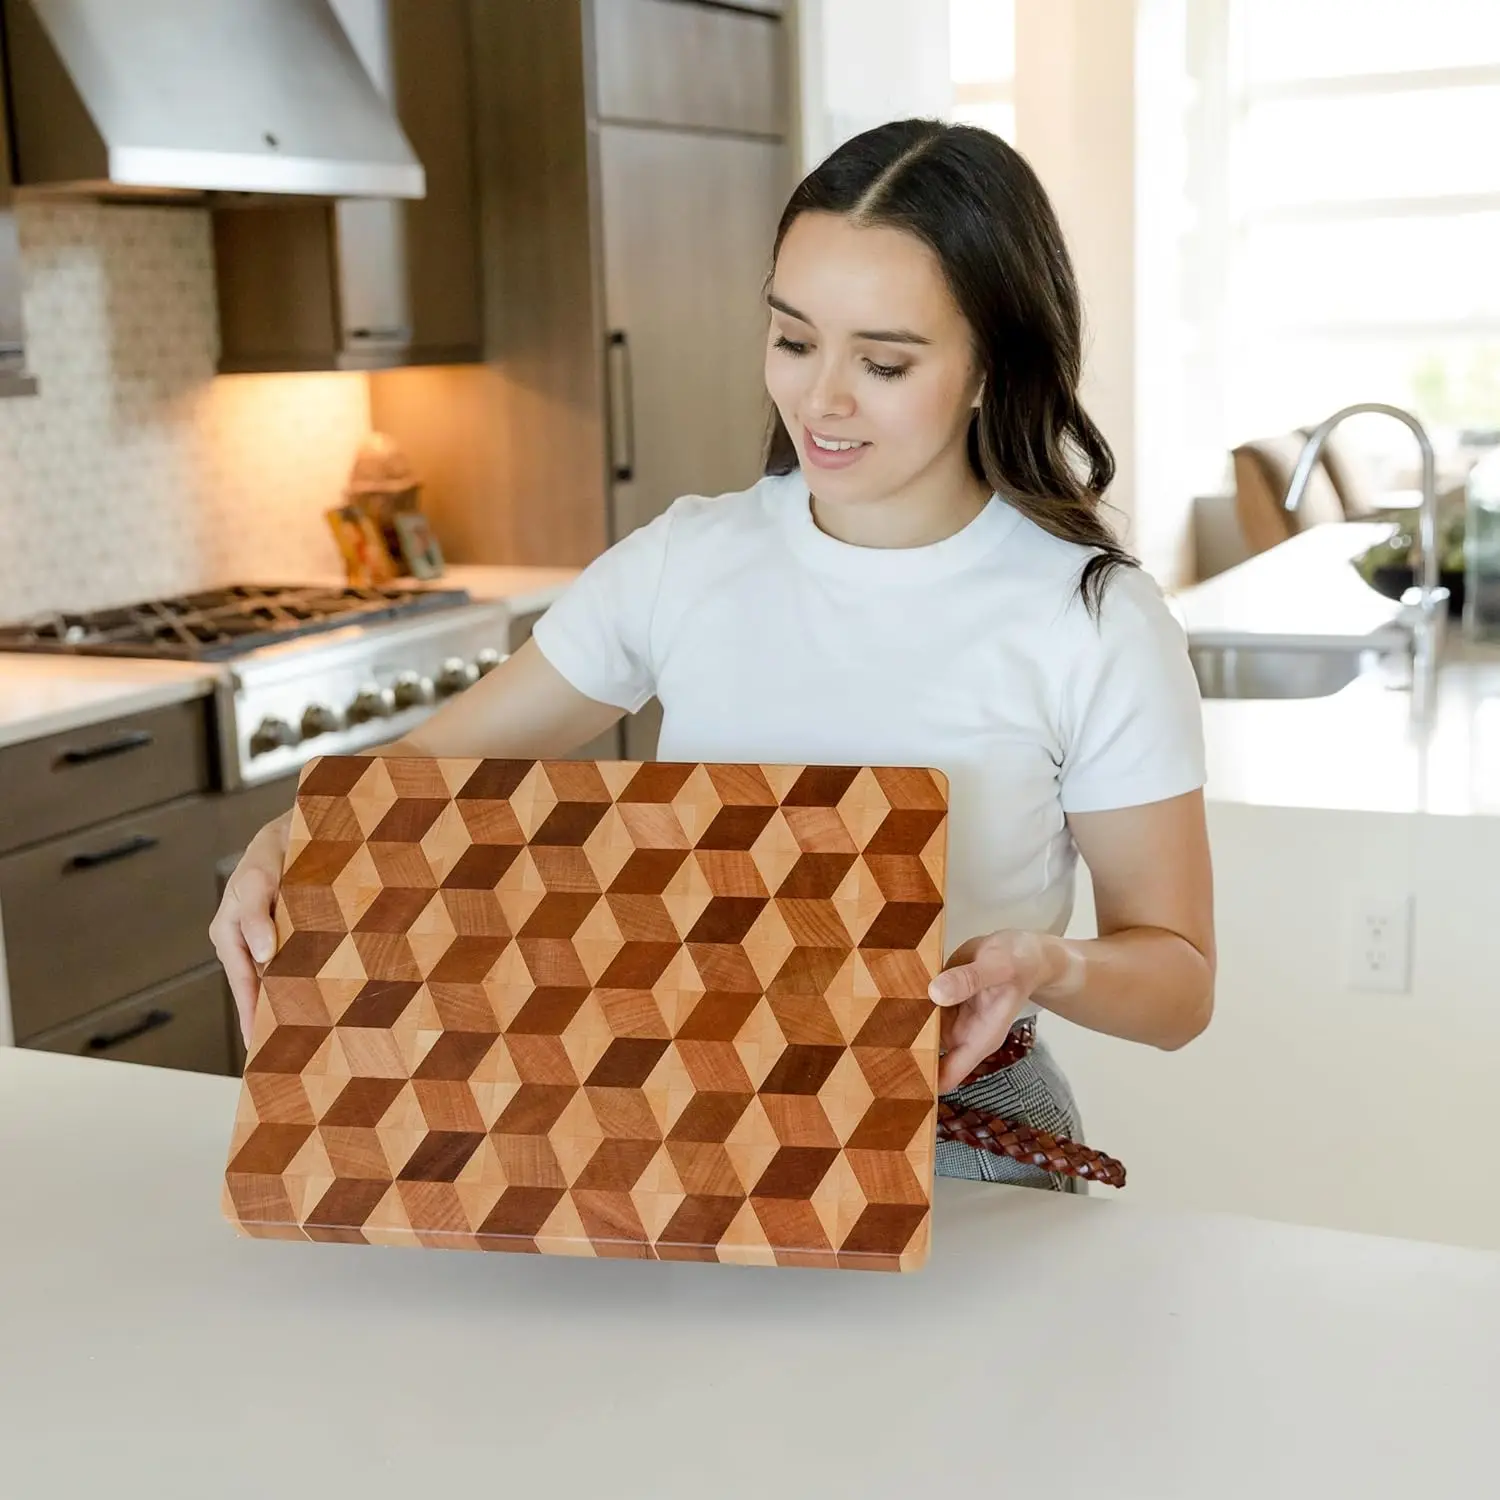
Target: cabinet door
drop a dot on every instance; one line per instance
(370, 261)
(688, 222)
(665, 62)
(100, 914)
(408, 271)
(687, 228)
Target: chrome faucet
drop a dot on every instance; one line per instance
(1429, 613)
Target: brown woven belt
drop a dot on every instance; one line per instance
(1038, 1148)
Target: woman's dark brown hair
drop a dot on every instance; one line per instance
(977, 204)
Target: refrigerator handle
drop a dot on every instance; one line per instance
(622, 395)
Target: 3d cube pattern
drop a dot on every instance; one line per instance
(601, 1008)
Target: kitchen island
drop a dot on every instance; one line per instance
(1054, 1346)
(1317, 1096)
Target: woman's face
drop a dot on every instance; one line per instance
(867, 347)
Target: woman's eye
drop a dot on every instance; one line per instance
(790, 345)
(885, 372)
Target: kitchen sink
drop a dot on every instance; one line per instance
(1281, 672)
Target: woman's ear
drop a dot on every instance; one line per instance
(979, 395)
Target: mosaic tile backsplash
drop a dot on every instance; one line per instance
(136, 471)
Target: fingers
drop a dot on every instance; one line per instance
(972, 1031)
(239, 968)
(958, 1047)
(244, 983)
(978, 964)
(954, 986)
(244, 938)
(255, 894)
(957, 1064)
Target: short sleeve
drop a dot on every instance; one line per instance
(1132, 714)
(597, 633)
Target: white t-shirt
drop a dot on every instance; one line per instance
(767, 640)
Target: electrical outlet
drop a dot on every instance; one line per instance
(1378, 955)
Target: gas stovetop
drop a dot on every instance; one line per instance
(220, 624)
(300, 669)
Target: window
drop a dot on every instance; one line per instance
(1360, 147)
(982, 48)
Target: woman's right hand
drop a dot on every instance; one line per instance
(244, 930)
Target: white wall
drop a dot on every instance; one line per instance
(135, 471)
(1307, 1101)
(1075, 124)
(1105, 114)
(866, 61)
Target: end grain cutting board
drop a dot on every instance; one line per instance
(601, 1008)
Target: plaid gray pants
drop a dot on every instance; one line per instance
(1033, 1091)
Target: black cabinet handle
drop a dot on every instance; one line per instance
(132, 739)
(625, 469)
(137, 843)
(381, 335)
(153, 1020)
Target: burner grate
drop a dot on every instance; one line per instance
(216, 624)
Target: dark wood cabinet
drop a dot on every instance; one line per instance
(180, 1024)
(110, 837)
(110, 909)
(688, 67)
(369, 284)
(15, 379)
(634, 157)
(67, 781)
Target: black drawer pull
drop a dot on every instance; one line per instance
(153, 1020)
(396, 335)
(137, 843)
(132, 739)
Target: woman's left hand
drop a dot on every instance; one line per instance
(984, 986)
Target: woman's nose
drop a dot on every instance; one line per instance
(830, 395)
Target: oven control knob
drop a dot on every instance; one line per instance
(412, 689)
(370, 702)
(487, 660)
(271, 734)
(455, 675)
(318, 718)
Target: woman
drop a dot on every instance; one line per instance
(922, 577)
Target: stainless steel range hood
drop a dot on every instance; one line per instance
(164, 98)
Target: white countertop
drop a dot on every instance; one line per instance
(523, 589)
(1305, 590)
(1357, 749)
(42, 695)
(1053, 1346)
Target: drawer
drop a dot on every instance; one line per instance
(184, 1023)
(98, 915)
(66, 781)
(662, 62)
